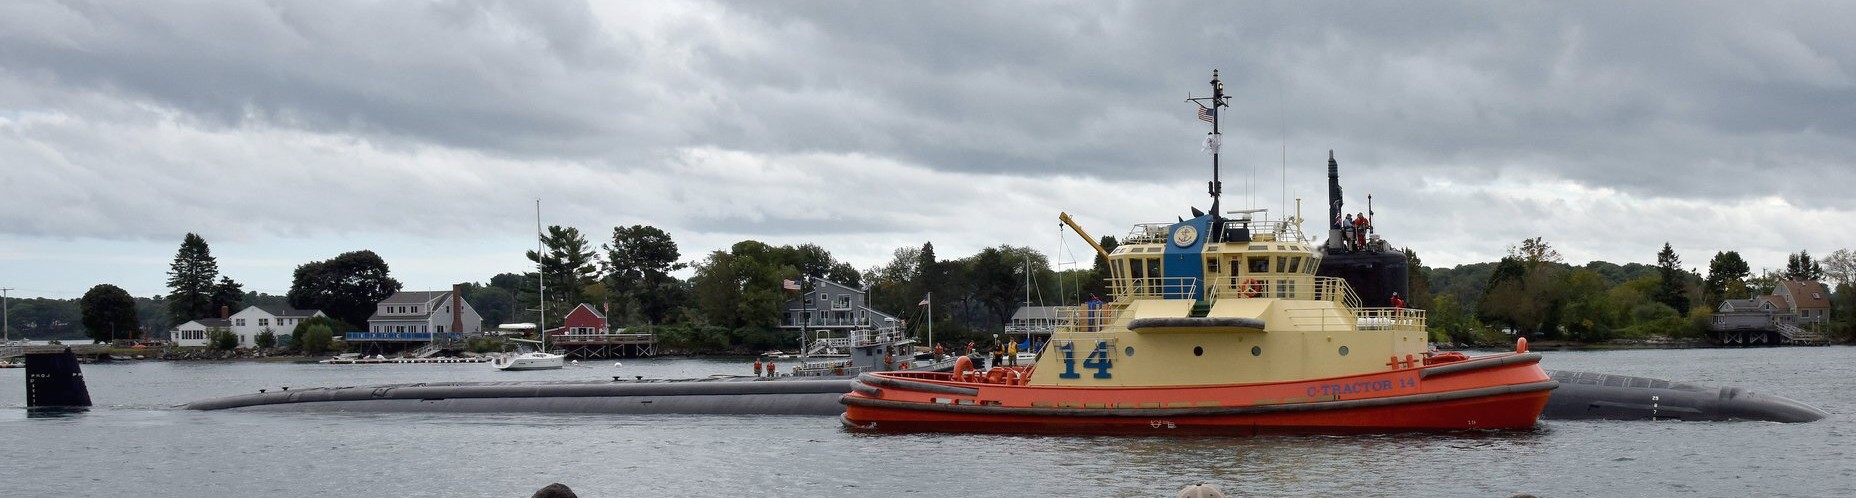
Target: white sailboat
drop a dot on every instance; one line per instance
(540, 358)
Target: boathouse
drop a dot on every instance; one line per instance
(1794, 313)
(585, 333)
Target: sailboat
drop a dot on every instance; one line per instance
(540, 358)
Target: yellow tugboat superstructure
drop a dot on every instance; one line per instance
(1222, 324)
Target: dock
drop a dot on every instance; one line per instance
(82, 350)
(401, 361)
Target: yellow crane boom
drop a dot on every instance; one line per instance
(1079, 231)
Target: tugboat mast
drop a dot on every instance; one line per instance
(1213, 140)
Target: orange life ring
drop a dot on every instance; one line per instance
(905, 365)
(1251, 288)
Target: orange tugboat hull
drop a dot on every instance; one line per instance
(1505, 392)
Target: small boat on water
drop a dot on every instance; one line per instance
(869, 350)
(533, 360)
(540, 358)
(1219, 324)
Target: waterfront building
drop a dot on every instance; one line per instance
(585, 333)
(1793, 314)
(193, 333)
(254, 320)
(583, 320)
(418, 317)
(833, 307)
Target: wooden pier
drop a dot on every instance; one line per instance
(605, 345)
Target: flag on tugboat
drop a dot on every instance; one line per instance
(789, 285)
(1207, 114)
(923, 303)
(1212, 141)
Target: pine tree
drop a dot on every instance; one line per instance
(1671, 290)
(191, 281)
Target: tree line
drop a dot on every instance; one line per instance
(734, 298)
(1531, 292)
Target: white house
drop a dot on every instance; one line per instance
(194, 333)
(254, 320)
(421, 313)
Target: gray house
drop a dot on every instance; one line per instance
(420, 316)
(831, 306)
(1791, 314)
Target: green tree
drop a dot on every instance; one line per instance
(1840, 266)
(568, 268)
(1672, 291)
(228, 295)
(1524, 289)
(1799, 266)
(316, 339)
(1727, 275)
(266, 339)
(346, 288)
(494, 304)
(1418, 281)
(221, 339)
(108, 313)
(191, 281)
(638, 263)
(300, 333)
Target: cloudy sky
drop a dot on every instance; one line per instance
(291, 131)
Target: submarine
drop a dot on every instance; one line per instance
(1581, 396)
(55, 382)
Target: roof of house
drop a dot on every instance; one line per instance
(414, 297)
(1778, 303)
(589, 308)
(1740, 304)
(213, 322)
(285, 311)
(1809, 294)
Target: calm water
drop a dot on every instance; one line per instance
(136, 444)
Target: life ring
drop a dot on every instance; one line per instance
(1251, 288)
(904, 366)
(962, 366)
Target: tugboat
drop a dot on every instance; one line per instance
(1219, 325)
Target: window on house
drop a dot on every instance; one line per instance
(264, 322)
(239, 322)
(440, 329)
(415, 309)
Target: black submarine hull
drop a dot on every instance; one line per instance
(1581, 396)
(720, 395)
(1596, 396)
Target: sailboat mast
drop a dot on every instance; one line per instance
(541, 281)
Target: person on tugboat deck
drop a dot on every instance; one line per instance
(1396, 302)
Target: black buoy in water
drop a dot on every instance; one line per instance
(54, 381)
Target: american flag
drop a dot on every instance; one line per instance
(1207, 114)
(789, 285)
